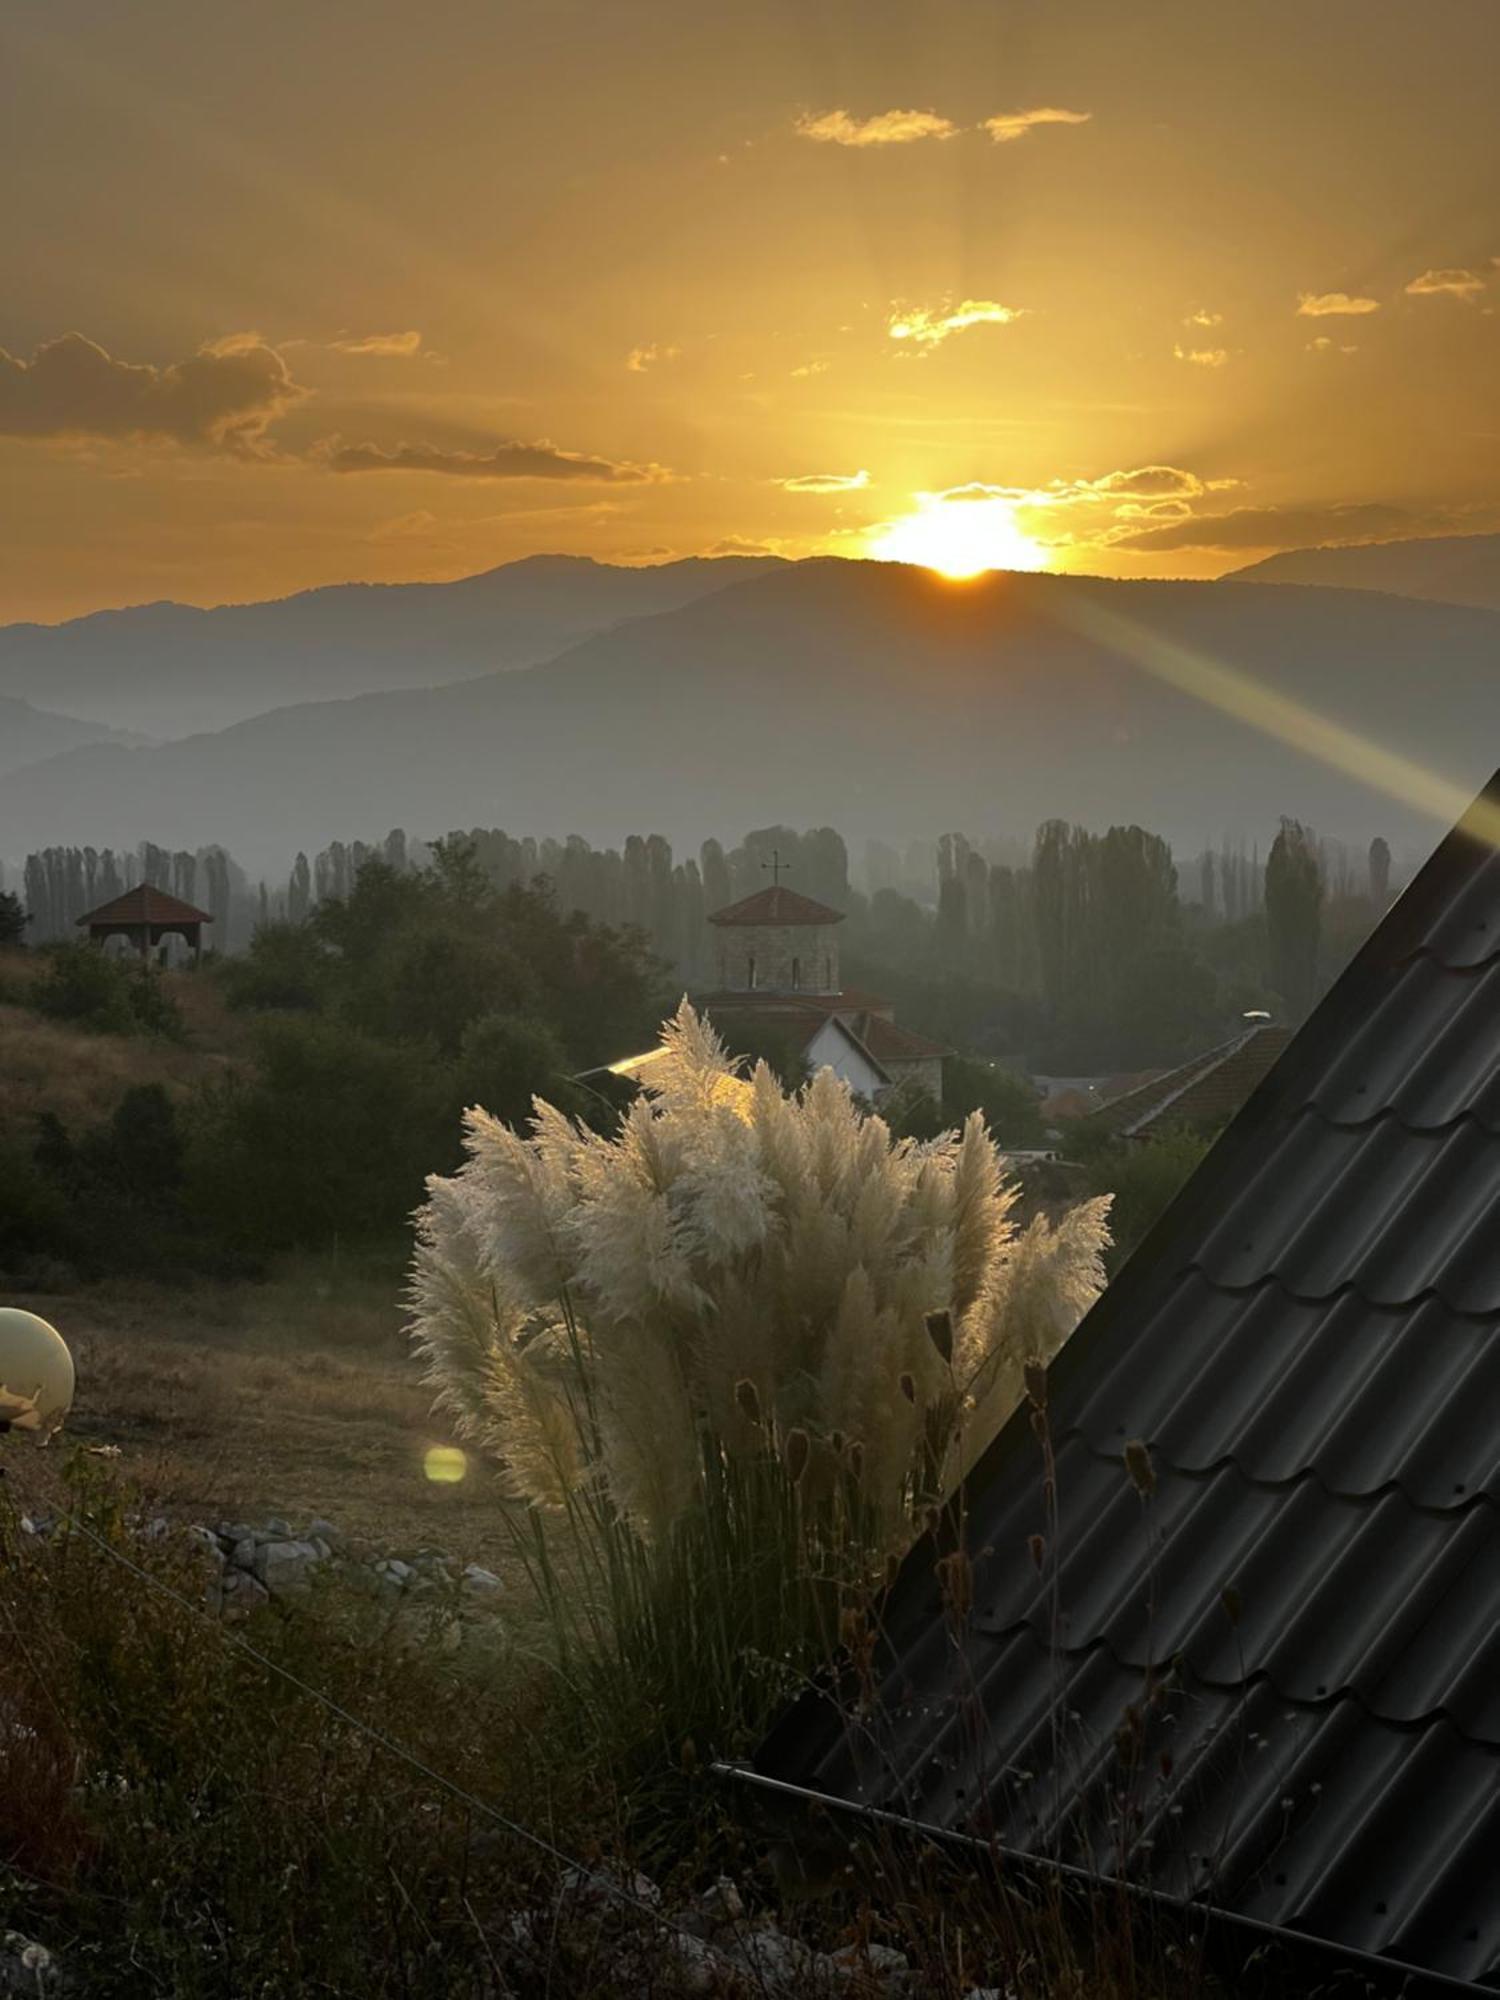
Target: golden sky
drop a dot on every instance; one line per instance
(321, 289)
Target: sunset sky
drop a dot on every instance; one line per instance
(323, 289)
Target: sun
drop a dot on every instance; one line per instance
(959, 534)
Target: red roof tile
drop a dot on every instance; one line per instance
(777, 906)
(145, 904)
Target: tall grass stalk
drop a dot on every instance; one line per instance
(729, 1359)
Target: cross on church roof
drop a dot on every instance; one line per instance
(777, 866)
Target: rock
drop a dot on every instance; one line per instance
(286, 1568)
(238, 1531)
(480, 1581)
(209, 1544)
(242, 1593)
(278, 1531)
(875, 1967)
(722, 1904)
(605, 1888)
(242, 1554)
(324, 1531)
(28, 1968)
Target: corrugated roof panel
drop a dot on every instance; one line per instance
(1427, 1051)
(1462, 926)
(1392, 1213)
(1295, 1812)
(1310, 1345)
(1366, 1396)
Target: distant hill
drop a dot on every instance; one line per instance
(29, 734)
(869, 696)
(171, 670)
(1453, 569)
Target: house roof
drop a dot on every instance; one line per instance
(146, 904)
(800, 1017)
(777, 905)
(889, 1043)
(1274, 1686)
(1208, 1088)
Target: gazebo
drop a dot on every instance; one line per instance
(145, 915)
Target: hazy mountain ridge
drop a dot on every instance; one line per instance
(175, 670)
(29, 734)
(1450, 569)
(876, 698)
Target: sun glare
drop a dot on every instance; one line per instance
(959, 535)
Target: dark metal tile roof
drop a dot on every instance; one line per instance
(1275, 1683)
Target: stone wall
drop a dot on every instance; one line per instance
(777, 958)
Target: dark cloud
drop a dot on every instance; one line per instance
(509, 460)
(223, 397)
(1288, 528)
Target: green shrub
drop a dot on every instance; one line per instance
(117, 996)
(330, 1136)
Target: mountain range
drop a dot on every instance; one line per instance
(28, 734)
(870, 696)
(1452, 569)
(168, 670)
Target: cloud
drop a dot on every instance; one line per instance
(222, 398)
(886, 128)
(740, 545)
(510, 459)
(397, 346)
(1202, 357)
(825, 482)
(928, 326)
(1016, 124)
(1322, 343)
(1288, 528)
(1144, 482)
(639, 359)
(1322, 305)
(1454, 284)
(811, 368)
(1202, 318)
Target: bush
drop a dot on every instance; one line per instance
(285, 968)
(116, 996)
(505, 1060)
(742, 1347)
(1144, 1180)
(331, 1136)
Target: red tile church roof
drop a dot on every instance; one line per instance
(777, 906)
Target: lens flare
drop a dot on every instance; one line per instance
(445, 1464)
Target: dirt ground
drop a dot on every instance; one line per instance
(293, 1398)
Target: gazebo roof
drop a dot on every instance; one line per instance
(777, 906)
(144, 904)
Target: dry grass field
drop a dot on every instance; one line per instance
(293, 1398)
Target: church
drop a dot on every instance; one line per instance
(776, 963)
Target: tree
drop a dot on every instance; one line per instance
(1294, 916)
(505, 1060)
(14, 917)
(1380, 873)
